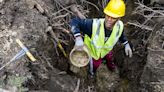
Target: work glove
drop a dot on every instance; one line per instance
(128, 50)
(79, 43)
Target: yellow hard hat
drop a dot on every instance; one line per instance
(115, 8)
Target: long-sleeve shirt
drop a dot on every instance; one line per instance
(85, 26)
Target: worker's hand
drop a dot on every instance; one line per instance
(79, 43)
(128, 50)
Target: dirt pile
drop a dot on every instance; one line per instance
(27, 25)
(24, 20)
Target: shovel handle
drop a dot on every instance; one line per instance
(26, 50)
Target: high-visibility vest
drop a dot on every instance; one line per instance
(97, 45)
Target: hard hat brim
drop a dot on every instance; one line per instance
(112, 14)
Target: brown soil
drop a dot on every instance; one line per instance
(29, 21)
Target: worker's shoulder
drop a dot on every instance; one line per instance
(120, 22)
(98, 18)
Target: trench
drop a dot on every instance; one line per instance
(51, 73)
(130, 71)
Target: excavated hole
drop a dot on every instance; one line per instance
(130, 70)
(52, 70)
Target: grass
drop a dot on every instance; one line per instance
(17, 81)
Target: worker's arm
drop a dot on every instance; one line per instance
(123, 39)
(128, 50)
(79, 26)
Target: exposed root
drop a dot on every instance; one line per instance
(148, 13)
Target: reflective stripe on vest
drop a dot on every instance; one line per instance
(97, 46)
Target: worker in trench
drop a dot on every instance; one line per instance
(100, 35)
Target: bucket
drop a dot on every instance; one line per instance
(80, 58)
